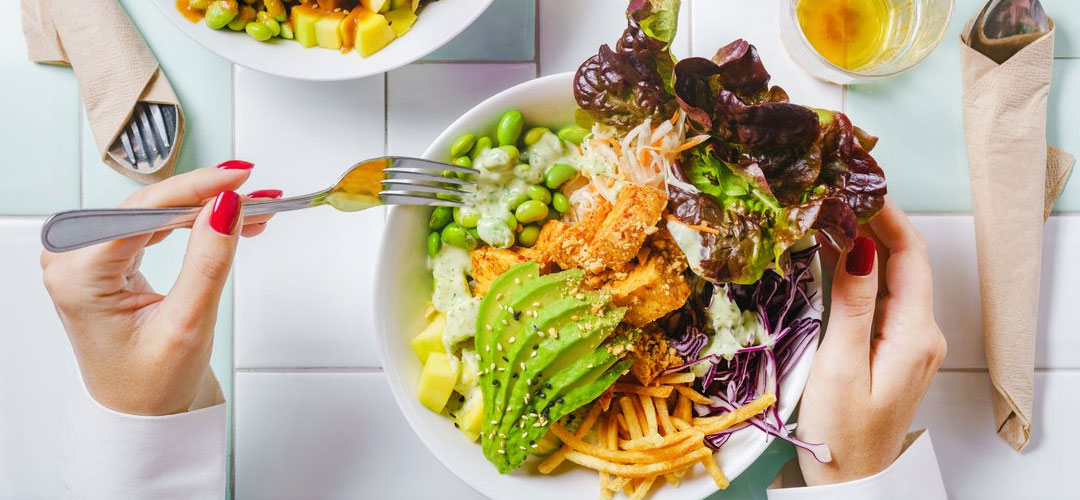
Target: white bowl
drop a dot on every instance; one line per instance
(405, 289)
(438, 23)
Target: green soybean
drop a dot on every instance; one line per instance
(517, 200)
(475, 233)
(440, 217)
(529, 235)
(482, 144)
(286, 31)
(434, 243)
(455, 235)
(573, 134)
(512, 222)
(509, 129)
(511, 150)
(463, 145)
(540, 193)
(259, 31)
(466, 217)
(531, 211)
(220, 12)
(560, 203)
(534, 134)
(559, 174)
(198, 4)
(270, 22)
(463, 161)
(245, 15)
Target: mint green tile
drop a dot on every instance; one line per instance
(1064, 109)
(39, 130)
(1066, 14)
(751, 484)
(506, 31)
(202, 81)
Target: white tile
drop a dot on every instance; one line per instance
(304, 287)
(331, 435)
(423, 99)
(718, 22)
(956, 290)
(572, 31)
(976, 464)
(37, 367)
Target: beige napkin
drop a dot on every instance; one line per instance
(1015, 178)
(112, 63)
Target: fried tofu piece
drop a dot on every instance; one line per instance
(650, 290)
(609, 236)
(651, 356)
(488, 263)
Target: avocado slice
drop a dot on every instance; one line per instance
(499, 293)
(575, 340)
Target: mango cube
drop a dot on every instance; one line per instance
(430, 339)
(373, 32)
(401, 20)
(436, 382)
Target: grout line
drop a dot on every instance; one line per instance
(536, 38)
(473, 61)
(313, 369)
(232, 319)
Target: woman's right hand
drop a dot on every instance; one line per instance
(141, 352)
(880, 351)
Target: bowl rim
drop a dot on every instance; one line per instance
(391, 366)
(168, 10)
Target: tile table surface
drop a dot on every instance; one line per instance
(312, 415)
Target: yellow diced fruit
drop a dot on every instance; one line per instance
(374, 5)
(430, 339)
(401, 20)
(469, 421)
(303, 21)
(326, 30)
(397, 4)
(372, 33)
(436, 382)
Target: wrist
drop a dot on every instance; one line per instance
(844, 467)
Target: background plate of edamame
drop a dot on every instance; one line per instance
(437, 23)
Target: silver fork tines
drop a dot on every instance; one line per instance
(147, 136)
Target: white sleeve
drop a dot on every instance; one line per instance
(111, 455)
(914, 474)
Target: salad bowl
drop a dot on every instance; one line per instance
(405, 290)
(438, 23)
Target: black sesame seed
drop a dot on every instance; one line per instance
(495, 382)
(504, 359)
(517, 315)
(539, 395)
(547, 386)
(536, 346)
(456, 425)
(515, 375)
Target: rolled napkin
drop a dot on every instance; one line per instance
(112, 63)
(1015, 179)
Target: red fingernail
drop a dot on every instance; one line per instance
(225, 213)
(266, 193)
(860, 260)
(236, 165)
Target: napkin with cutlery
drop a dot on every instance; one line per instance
(1015, 179)
(114, 67)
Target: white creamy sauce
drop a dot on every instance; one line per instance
(452, 297)
(731, 329)
(689, 241)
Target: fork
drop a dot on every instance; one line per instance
(390, 180)
(150, 134)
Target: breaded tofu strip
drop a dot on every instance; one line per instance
(488, 263)
(650, 290)
(652, 356)
(609, 236)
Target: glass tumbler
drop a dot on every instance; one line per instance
(915, 28)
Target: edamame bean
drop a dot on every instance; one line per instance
(467, 217)
(482, 144)
(434, 243)
(517, 200)
(454, 234)
(463, 145)
(531, 211)
(560, 203)
(559, 174)
(475, 233)
(220, 12)
(245, 16)
(276, 9)
(529, 235)
(540, 193)
(198, 4)
(259, 31)
(513, 152)
(510, 126)
(270, 22)
(512, 222)
(573, 134)
(463, 161)
(286, 31)
(440, 217)
(534, 134)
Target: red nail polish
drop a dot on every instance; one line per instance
(226, 211)
(236, 165)
(860, 260)
(266, 193)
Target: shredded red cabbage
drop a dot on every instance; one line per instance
(779, 300)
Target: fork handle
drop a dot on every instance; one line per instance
(75, 229)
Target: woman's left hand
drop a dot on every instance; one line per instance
(141, 352)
